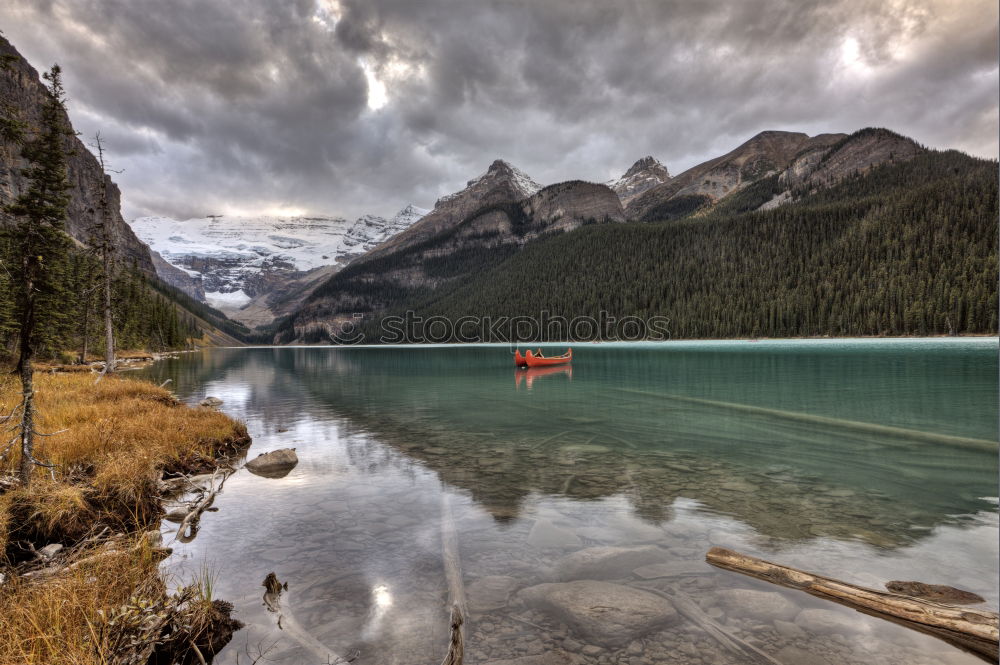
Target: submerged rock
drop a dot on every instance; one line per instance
(546, 534)
(275, 464)
(211, 402)
(788, 629)
(936, 592)
(821, 622)
(799, 656)
(605, 563)
(672, 569)
(601, 612)
(490, 593)
(761, 605)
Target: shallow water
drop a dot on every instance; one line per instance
(864, 460)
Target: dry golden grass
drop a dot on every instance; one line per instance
(121, 435)
(65, 618)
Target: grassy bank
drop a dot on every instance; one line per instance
(102, 593)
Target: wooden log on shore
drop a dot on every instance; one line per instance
(973, 630)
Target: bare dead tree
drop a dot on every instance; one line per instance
(101, 241)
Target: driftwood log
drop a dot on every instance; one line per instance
(456, 588)
(973, 630)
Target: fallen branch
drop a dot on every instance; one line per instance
(973, 630)
(456, 588)
(190, 521)
(286, 621)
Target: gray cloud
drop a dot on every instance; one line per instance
(262, 106)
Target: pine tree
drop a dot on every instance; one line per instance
(39, 249)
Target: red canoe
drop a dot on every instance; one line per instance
(540, 361)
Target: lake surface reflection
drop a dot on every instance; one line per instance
(864, 460)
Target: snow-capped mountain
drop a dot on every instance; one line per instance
(499, 171)
(645, 174)
(226, 254)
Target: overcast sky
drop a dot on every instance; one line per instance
(362, 106)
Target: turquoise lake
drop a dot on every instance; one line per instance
(865, 460)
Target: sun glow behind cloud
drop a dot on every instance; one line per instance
(377, 94)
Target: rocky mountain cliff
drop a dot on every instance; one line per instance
(22, 91)
(645, 174)
(244, 265)
(502, 183)
(799, 161)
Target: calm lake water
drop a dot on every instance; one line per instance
(864, 460)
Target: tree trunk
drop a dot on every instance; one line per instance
(109, 331)
(107, 260)
(26, 371)
(86, 331)
(970, 629)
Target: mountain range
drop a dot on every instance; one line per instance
(451, 261)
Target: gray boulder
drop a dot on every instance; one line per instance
(601, 613)
(606, 563)
(211, 402)
(275, 464)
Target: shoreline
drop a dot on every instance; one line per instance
(946, 339)
(82, 549)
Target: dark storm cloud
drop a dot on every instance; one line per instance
(255, 105)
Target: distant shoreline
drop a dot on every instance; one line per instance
(763, 340)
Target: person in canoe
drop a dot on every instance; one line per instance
(521, 361)
(539, 360)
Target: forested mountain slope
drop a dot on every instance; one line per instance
(908, 248)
